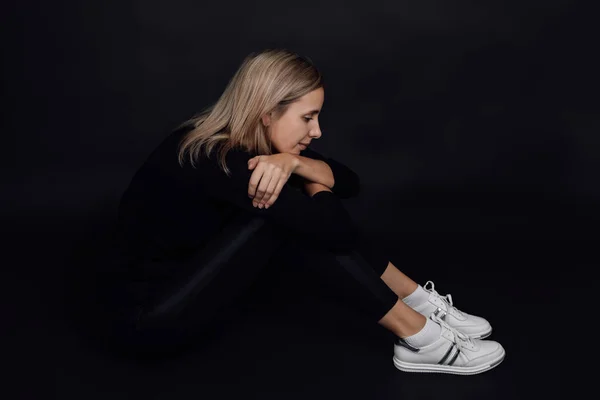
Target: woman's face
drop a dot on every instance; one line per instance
(293, 131)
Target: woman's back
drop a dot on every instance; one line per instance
(165, 213)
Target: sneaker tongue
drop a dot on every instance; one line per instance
(458, 336)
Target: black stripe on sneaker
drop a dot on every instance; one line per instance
(454, 352)
(454, 358)
(447, 354)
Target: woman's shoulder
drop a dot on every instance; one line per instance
(236, 159)
(233, 152)
(209, 154)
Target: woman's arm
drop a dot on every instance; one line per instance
(319, 216)
(315, 171)
(342, 180)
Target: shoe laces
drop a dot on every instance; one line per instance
(430, 286)
(461, 339)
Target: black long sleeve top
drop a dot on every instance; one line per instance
(169, 210)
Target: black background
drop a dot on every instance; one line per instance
(473, 126)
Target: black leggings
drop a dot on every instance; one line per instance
(207, 284)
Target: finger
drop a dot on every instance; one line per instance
(262, 187)
(276, 192)
(254, 161)
(270, 189)
(254, 181)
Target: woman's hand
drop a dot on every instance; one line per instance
(313, 188)
(270, 174)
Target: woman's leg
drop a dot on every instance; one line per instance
(422, 344)
(401, 284)
(173, 309)
(211, 281)
(356, 278)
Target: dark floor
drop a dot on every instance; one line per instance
(288, 341)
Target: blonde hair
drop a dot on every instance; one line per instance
(265, 82)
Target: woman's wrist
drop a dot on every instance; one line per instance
(295, 162)
(314, 170)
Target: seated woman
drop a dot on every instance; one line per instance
(233, 186)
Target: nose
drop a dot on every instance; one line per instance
(315, 132)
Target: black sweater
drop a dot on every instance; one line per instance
(169, 211)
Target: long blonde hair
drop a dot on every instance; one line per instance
(265, 82)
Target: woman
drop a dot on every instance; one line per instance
(237, 184)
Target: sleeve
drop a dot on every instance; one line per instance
(321, 218)
(347, 182)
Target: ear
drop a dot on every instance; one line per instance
(266, 119)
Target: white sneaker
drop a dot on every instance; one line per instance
(453, 353)
(441, 306)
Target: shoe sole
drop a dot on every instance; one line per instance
(448, 369)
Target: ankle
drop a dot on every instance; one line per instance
(417, 297)
(412, 326)
(400, 284)
(402, 320)
(429, 334)
(407, 289)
